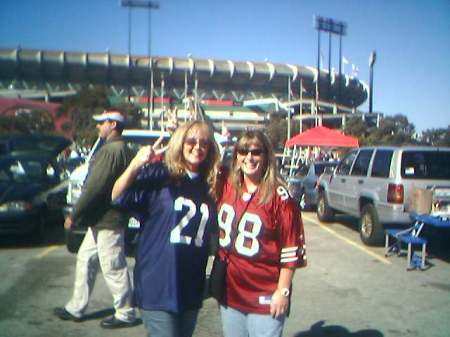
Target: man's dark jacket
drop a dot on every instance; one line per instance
(94, 206)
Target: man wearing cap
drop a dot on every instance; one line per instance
(103, 243)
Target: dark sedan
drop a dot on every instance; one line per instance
(29, 186)
(302, 185)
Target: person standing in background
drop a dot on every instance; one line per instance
(103, 243)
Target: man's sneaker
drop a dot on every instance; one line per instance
(63, 314)
(114, 323)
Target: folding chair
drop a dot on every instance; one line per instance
(409, 236)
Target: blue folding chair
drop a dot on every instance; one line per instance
(411, 237)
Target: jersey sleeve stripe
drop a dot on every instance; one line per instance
(284, 255)
(291, 259)
(289, 249)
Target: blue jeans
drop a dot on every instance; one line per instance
(239, 324)
(169, 324)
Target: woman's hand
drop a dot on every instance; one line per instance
(147, 153)
(144, 156)
(279, 304)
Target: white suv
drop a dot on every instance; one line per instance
(376, 184)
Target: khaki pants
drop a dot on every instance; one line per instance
(104, 247)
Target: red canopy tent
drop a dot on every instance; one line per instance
(322, 136)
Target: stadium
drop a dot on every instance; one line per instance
(232, 94)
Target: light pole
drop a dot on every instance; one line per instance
(330, 26)
(372, 59)
(149, 5)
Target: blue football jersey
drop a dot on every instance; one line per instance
(177, 218)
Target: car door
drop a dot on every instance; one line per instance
(357, 180)
(338, 187)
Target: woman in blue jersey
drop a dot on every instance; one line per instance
(174, 200)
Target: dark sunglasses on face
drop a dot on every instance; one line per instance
(191, 141)
(253, 152)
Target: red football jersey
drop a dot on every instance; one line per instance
(267, 238)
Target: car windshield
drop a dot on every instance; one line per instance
(26, 171)
(426, 165)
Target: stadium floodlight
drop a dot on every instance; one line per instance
(149, 5)
(330, 26)
(140, 4)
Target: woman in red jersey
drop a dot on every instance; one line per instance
(262, 239)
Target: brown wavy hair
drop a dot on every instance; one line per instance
(271, 179)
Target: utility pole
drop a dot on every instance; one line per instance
(149, 5)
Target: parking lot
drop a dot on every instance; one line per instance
(348, 289)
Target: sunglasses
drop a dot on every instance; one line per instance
(253, 152)
(191, 141)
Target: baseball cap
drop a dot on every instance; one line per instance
(109, 116)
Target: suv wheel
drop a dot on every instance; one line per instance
(370, 229)
(324, 212)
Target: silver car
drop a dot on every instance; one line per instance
(302, 186)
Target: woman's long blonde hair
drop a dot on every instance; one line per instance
(176, 164)
(270, 179)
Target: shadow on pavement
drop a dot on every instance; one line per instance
(319, 330)
(54, 235)
(105, 313)
(99, 314)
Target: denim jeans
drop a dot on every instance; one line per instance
(169, 324)
(239, 324)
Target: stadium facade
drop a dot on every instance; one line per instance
(236, 94)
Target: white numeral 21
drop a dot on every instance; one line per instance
(175, 235)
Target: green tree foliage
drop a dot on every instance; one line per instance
(277, 131)
(437, 137)
(27, 122)
(88, 102)
(395, 130)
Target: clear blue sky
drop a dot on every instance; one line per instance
(411, 37)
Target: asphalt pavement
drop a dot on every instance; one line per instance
(347, 290)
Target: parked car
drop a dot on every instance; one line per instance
(302, 186)
(16, 143)
(32, 191)
(376, 185)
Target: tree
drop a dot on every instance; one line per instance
(359, 128)
(88, 102)
(395, 130)
(437, 137)
(27, 122)
(277, 131)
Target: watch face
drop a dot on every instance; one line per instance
(285, 292)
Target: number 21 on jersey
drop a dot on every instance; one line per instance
(187, 220)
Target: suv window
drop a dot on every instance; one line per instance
(426, 165)
(362, 163)
(382, 163)
(346, 164)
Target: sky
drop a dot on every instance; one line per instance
(411, 39)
